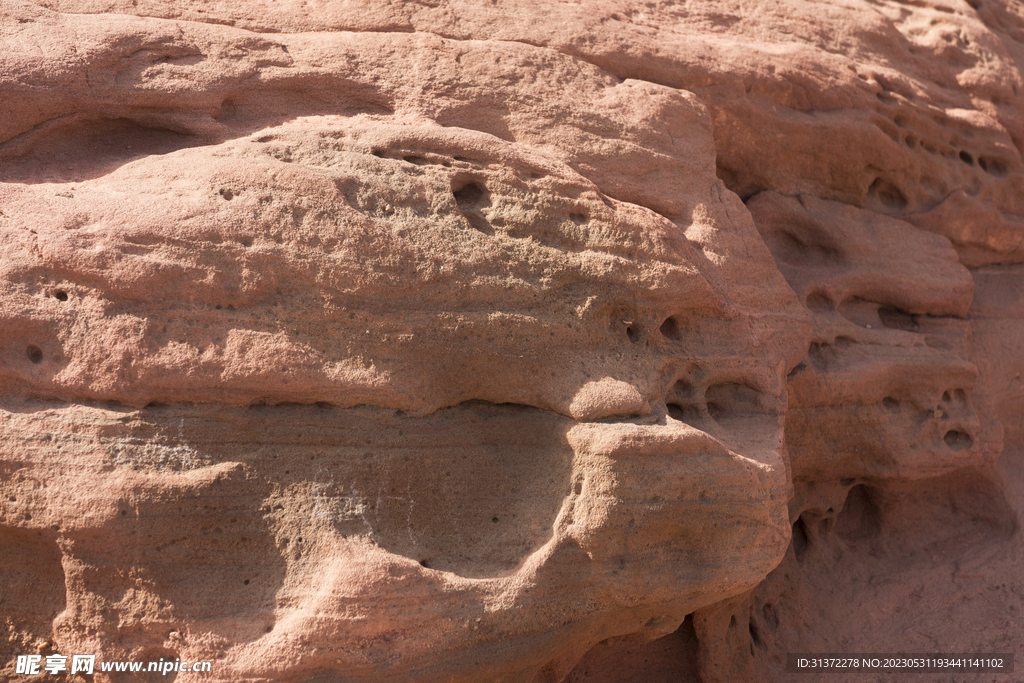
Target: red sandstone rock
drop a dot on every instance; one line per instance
(433, 341)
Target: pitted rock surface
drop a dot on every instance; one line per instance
(491, 341)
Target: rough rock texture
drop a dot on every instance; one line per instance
(490, 341)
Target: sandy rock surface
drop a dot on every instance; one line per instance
(492, 341)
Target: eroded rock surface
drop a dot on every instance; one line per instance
(478, 341)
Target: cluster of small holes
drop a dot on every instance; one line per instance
(956, 439)
(992, 165)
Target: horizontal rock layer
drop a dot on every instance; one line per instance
(497, 341)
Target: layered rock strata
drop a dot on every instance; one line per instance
(499, 342)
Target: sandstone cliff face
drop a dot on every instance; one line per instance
(479, 341)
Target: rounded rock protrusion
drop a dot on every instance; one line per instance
(607, 398)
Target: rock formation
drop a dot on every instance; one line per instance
(489, 341)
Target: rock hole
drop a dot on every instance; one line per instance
(846, 481)
(755, 636)
(910, 141)
(412, 159)
(732, 399)
(967, 158)
(670, 329)
(124, 512)
(227, 194)
(771, 616)
(425, 563)
(960, 395)
(471, 199)
(34, 353)
(685, 402)
(889, 403)
(819, 301)
(469, 195)
(377, 153)
(632, 334)
(797, 370)
(801, 539)
(246, 582)
(268, 629)
(860, 518)
(732, 621)
(60, 295)
(578, 218)
(886, 195)
(897, 319)
(690, 414)
(795, 249)
(992, 166)
(578, 489)
(494, 520)
(860, 312)
(957, 440)
(945, 396)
